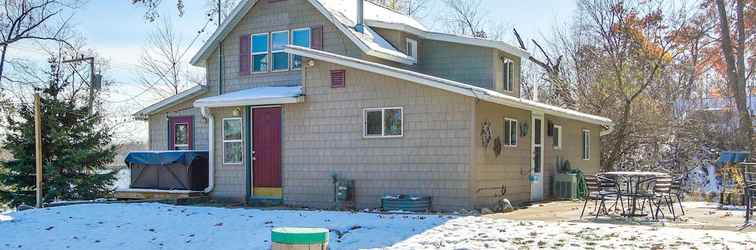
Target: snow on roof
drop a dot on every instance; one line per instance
(253, 96)
(343, 13)
(448, 85)
(372, 12)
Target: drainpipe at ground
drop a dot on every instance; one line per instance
(210, 149)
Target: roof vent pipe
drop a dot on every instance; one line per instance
(360, 27)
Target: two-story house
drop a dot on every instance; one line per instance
(307, 89)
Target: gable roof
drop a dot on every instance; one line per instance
(370, 42)
(342, 13)
(170, 101)
(448, 85)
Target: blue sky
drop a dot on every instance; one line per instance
(117, 30)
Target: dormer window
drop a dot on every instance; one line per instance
(508, 75)
(411, 48)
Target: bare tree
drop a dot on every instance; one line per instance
(552, 67)
(735, 60)
(413, 8)
(163, 64)
(152, 12)
(38, 20)
(466, 17)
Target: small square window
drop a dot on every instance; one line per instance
(383, 122)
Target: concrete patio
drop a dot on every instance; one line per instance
(698, 215)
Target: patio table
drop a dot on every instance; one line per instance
(633, 190)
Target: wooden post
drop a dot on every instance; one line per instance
(38, 145)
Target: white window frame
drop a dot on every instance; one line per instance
(175, 132)
(508, 86)
(557, 132)
(411, 43)
(585, 144)
(223, 137)
(266, 52)
(383, 122)
(516, 129)
(270, 48)
(291, 41)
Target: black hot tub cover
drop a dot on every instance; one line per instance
(164, 158)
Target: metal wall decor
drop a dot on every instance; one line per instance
(485, 134)
(497, 146)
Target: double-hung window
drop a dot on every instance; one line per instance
(586, 152)
(260, 52)
(556, 136)
(510, 132)
(383, 122)
(300, 37)
(279, 40)
(508, 75)
(232, 141)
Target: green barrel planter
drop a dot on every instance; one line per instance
(304, 237)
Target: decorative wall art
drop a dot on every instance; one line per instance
(485, 134)
(497, 146)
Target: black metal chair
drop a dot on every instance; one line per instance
(662, 194)
(600, 190)
(677, 191)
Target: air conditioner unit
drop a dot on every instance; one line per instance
(565, 186)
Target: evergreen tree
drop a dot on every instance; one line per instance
(76, 150)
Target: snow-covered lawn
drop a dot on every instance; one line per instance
(159, 226)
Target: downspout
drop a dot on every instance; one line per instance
(210, 149)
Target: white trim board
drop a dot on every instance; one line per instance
(167, 102)
(448, 85)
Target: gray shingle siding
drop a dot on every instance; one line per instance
(158, 126)
(323, 136)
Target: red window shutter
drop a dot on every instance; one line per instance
(244, 55)
(338, 78)
(317, 37)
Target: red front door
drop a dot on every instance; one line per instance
(266, 147)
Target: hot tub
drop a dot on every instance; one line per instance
(168, 170)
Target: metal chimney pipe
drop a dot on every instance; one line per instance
(360, 26)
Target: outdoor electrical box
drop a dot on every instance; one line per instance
(344, 190)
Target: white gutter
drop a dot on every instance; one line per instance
(210, 149)
(448, 85)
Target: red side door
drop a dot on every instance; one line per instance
(266, 145)
(181, 133)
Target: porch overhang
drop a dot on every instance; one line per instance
(254, 96)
